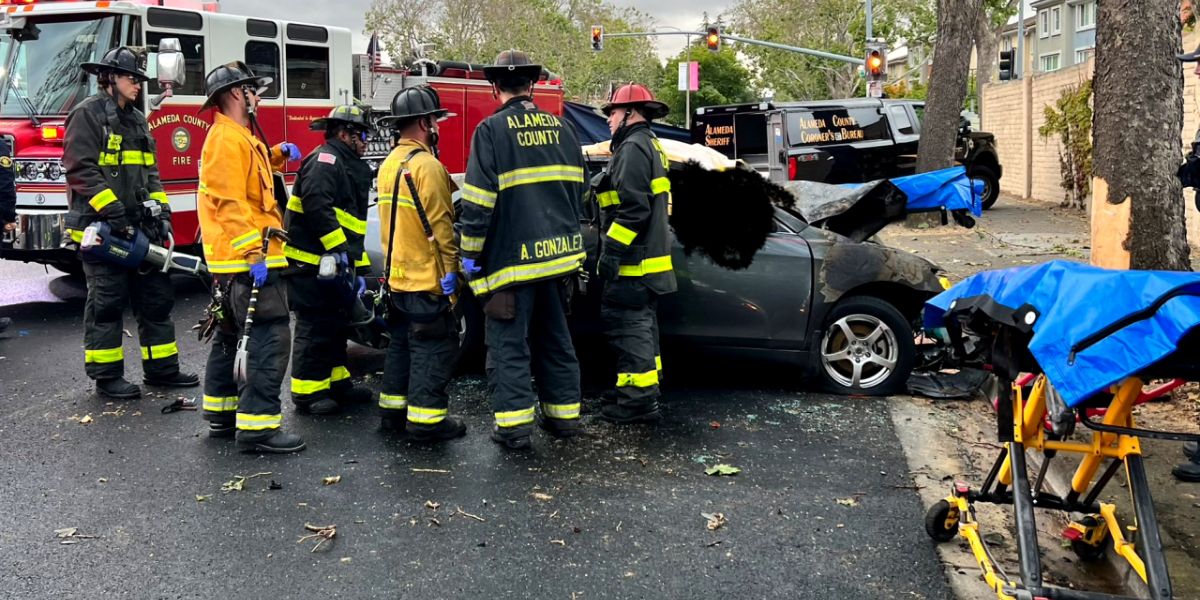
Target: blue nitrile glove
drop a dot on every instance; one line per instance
(258, 271)
(469, 266)
(291, 150)
(343, 261)
(450, 284)
(360, 286)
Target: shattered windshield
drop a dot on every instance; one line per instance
(46, 70)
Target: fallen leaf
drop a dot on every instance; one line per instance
(714, 424)
(715, 520)
(237, 484)
(559, 542)
(995, 539)
(85, 420)
(102, 480)
(542, 497)
(848, 501)
(331, 480)
(430, 504)
(345, 560)
(66, 532)
(722, 469)
(200, 498)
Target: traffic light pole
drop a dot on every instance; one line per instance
(733, 38)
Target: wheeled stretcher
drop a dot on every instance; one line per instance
(1074, 348)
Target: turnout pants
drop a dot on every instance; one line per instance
(420, 358)
(629, 312)
(110, 288)
(255, 405)
(527, 335)
(319, 349)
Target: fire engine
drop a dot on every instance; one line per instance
(42, 43)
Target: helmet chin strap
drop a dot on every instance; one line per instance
(433, 138)
(252, 113)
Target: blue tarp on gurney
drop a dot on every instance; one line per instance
(947, 189)
(1071, 302)
(591, 127)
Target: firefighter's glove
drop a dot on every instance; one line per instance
(165, 226)
(291, 150)
(114, 214)
(609, 266)
(469, 267)
(258, 272)
(360, 286)
(450, 284)
(343, 262)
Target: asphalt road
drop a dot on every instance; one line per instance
(616, 514)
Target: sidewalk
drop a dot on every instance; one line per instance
(948, 440)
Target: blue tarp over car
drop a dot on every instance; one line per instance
(1091, 327)
(592, 128)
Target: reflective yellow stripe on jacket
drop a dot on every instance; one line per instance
(529, 175)
(529, 272)
(658, 264)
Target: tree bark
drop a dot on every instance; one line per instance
(1137, 123)
(947, 89)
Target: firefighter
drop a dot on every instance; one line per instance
(521, 243)
(423, 276)
(109, 157)
(635, 262)
(236, 205)
(327, 216)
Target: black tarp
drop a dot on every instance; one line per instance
(591, 126)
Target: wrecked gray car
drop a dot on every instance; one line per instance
(819, 294)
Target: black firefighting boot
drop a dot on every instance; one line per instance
(117, 389)
(448, 428)
(321, 408)
(560, 428)
(1191, 450)
(221, 429)
(177, 380)
(353, 396)
(1188, 471)
(513, 438)
(624, 415)
(271, 441)
(393, 421)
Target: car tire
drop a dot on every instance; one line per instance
(866, 348)
(991, 184)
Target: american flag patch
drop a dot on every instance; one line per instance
(327, 158)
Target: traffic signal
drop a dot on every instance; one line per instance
(1006, 59)
(713, 38)
(876, 64)
(597, 37)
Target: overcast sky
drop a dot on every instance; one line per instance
(349, 14)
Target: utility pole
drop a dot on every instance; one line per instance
(1019, 63)
(687, 102)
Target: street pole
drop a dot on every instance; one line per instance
(1019, 62)
(687, 119)
(870, 21)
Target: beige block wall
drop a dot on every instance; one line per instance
(1013, 112)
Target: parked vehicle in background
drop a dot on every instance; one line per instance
(837, 141)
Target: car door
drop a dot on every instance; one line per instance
(763, 306)
(904, 131)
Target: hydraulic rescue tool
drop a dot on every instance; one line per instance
(243, 347)
(134, 250)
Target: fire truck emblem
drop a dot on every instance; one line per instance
(181, 139)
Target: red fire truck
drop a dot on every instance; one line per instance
(43, 42)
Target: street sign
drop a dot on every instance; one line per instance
(874, 89)
(689, 76)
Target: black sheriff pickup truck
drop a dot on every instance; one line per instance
(837, 141)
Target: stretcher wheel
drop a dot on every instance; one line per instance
(1089, 552)
(941, 521)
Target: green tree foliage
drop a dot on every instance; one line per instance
(837, 26)
(555, 33)
(1070, 119)
(723, 80)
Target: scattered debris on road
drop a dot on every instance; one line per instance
(851, 501)
(542, 497)
(325, 533)
(722, 469)
(71, 535)
(430, 471)
(331, 479)
(84, 420)
(238, 483)
(430, 504)
(200, 498)
(715, 520)
(459, 511)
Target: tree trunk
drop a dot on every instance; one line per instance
(987, 48)
(947, 89)
(1139, 113)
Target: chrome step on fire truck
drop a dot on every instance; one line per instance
(42, 43)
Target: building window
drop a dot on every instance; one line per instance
(1050, 62)
(1085, 16)
(263, 59)
(1044, 23)
(1056, 20)
(1083, 54)
(307, 71)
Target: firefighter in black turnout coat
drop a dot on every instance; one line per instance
(521, 241)
(112, 176)
(327, 216)
(635, 262)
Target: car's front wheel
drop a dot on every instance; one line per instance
(866, 348)
(991, 184)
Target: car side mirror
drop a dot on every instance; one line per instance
(171, 69)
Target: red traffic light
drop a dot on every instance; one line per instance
(597, 37)
(875, 63)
